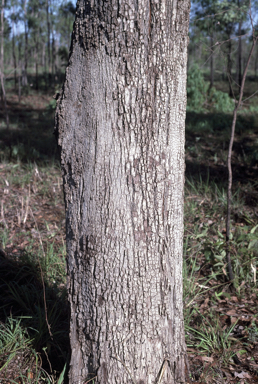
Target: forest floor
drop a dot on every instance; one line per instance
(221, 320)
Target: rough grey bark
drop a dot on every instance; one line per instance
(120, 125)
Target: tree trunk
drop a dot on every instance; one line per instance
(19, 72)
(239, 51)
(53, 52)
(48, 44)
(211, 61)
(37, 69)
(239, 62)
(14, 54)
(24, 71)
(120, 125)
(36, 41)
(256, 63)
(229, 66)
(2, 67)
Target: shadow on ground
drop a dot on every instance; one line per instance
(24, 298)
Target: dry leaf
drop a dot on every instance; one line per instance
(233, 320)
(191, 349)
(235, 299)
(231, 312)
(30, 375)
(242, 375)
(207, 358)
(205, 304)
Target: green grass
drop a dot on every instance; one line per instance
(211, 334)
(32, 274)
(211, 339)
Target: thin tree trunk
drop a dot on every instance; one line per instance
(2, 67)
(48, 44)
(24, 72)
(120, 125)
(229, 66)
(37, 75)
(36, 65)
(211, 61)
(14, 56)
(36, 39)
(239, 52)
(43, 50)
(53, 48)
(256, 63)
(44, 56)
(19, 75)
(240, 62)
(230, 178)
(53, 51)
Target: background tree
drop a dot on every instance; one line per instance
(14, 20)
(4, 31)
(206, 24)
(219, 21)
(25, 62)
(39, 30)
(66, 14)
(120, 124)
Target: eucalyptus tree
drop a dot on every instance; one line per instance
(25, 61)
(14, 18)
(34, 24)
(205, 21)
(5, 31)
(120, 125)
(66, 14)
(220, 20)
(233, 14)
(53, 17)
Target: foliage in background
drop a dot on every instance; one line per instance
(200, 98)
(197, 89)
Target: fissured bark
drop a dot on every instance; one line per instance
(120, 124)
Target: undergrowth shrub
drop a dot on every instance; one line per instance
(200, 98)
(197, 89)
(244, 253)
(220, 101)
